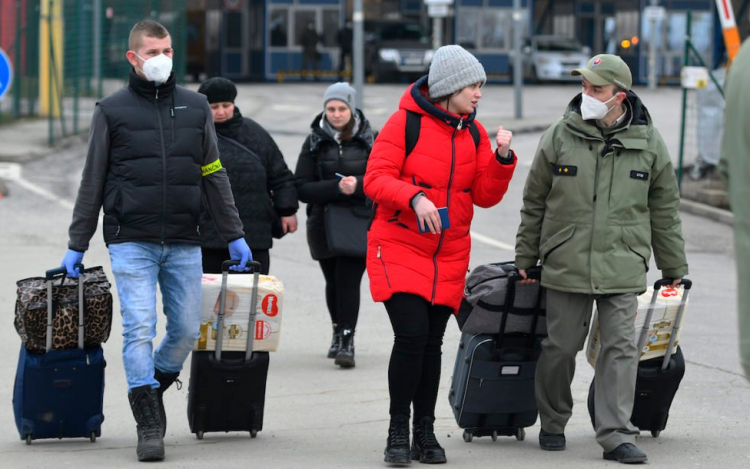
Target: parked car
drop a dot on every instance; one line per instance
(395, 49)
(552, 58)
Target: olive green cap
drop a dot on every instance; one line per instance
(606, 69)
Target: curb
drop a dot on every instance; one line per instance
(3, 189)
(707, 211)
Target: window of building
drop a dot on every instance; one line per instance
(330, 27)
(495, 27)
(279, 27)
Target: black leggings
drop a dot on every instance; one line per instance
(343, 276)
(213, 257)
(414, 369)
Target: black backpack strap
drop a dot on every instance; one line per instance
(474, 131)
(413, 125)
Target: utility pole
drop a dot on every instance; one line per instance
(358, 63)
(517, 61)
(654, 14)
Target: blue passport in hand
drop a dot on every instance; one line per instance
(444, 221)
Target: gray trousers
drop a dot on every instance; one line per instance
(568, 318)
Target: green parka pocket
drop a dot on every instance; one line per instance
(555, 241)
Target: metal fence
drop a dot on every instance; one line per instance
(67, 54)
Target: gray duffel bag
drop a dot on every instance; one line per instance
(493, 291)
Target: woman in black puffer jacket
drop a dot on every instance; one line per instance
(262, 184)
(330, 170)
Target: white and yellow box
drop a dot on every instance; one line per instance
(237, 314)
(660, 329)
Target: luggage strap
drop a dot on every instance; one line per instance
(510, 297)
(50, 277)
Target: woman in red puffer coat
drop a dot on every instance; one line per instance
(420, 276)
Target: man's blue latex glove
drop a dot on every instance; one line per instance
(240, 251)
(70, 260)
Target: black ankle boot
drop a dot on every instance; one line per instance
(335, 342)
(165, 381)
(144, 402)
(345, 357)
(397, 445)
(425, 447)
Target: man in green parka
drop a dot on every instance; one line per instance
(601, 193)
(735, 156)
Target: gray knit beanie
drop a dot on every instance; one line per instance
(453, 68)
(340, 91)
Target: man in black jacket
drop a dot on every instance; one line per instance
(152, 156)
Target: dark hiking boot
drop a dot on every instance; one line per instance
(144, 402)
(425, 447)
(335, 342)
(345, 357)
(626, 453)
(551, 441)
(165, 381)
(397, 446)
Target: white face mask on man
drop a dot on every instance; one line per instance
(592, 108)
(157, 69)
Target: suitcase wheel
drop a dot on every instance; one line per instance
(468, 436)
(28, 438)
(655, 433)
(253, 433)
(520, 434)
(199, 435)
(494, 435)
(92, 437)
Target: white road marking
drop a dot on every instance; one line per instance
(492, 242)
(43, 193)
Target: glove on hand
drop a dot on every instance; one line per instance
(240, 251)
(69, 262)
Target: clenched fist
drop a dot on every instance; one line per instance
(504, 138)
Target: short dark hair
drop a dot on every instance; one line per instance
(148, 28)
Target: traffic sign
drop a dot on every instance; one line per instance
(6, 73)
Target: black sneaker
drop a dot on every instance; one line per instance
(551, 441)
(425, 447)
(397, 446)
(626, 453)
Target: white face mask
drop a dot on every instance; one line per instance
(592, 108)
(156, 69)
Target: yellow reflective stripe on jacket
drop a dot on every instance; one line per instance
(211, 168)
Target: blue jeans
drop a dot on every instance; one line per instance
(137, 267)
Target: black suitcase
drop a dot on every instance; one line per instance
(492, 389)
(658, 378)
(227, 391)
(60, 393)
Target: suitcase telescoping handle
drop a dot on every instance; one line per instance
(510, 298)
(222, 303)
(50, 275)
(688, 284)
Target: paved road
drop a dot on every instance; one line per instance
(319, 416)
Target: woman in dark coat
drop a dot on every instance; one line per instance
(262, 184)
(330, 170)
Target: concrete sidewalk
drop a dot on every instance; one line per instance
(276, 105)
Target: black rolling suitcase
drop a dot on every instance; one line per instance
(227, 391)
(60, 393)
(492, 389)
(658, 378)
